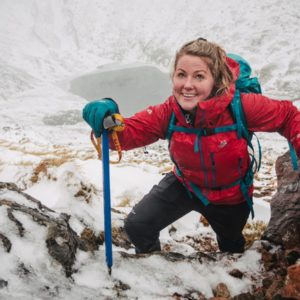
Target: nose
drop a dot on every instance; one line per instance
(188, 84)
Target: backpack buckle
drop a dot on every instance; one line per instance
(208, 131)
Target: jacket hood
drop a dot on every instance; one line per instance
(209, 110)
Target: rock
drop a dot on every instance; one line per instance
(61, 240)
(292, 256)
(292, 288)
(221, 291)
(244, 296)
(6, 242)
(284, 225)
(236, 273)
(119, 288)
(62, 243)
(282, 279)
(3, 283)
(171, 256)
(204, 221)
(193, 295)
(120, 238)
(274, 289)
(89, 241)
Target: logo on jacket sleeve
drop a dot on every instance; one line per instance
(223, 144)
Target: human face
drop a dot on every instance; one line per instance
(192, 82)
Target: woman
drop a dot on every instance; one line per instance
(210, 165)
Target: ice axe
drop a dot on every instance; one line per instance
(112, 124)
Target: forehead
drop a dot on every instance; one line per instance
(192, 62)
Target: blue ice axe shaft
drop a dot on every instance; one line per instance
(106, 196)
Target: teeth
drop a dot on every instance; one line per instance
(188, 95)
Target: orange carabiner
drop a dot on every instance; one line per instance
(117, 123)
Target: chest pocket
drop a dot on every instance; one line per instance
(216, 161)
(225, 160)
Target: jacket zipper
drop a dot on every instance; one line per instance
(213, 165)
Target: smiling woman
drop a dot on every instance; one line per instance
(211, 59)
(192, 82)
(213, 170)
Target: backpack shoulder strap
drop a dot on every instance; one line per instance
(239, 117)
(171, 126)
(293, 155)
(242, 127)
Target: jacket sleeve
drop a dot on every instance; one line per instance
(268, 115)
(145, 127)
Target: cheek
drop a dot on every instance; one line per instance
(209, 88)
(175, 86)
(212, 85)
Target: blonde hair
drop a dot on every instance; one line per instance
(214, 56)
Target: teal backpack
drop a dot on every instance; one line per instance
(244, 84)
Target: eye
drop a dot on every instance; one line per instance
(180, 75)
(199, 77)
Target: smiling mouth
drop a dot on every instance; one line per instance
(186, 95)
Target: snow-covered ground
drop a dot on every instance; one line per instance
(45, 146)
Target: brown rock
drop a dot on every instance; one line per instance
(284, 225)
(244, 296)
(204, 221)
(236, 273)
(292, 287)
(294, 274)
(292, 256)
(274, 289)
(221, 291)
(88, 240)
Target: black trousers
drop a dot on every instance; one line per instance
(169, 201)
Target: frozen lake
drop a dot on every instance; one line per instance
(133, 86)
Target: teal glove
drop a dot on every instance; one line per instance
(96, 111)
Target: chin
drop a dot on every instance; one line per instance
(188, 107)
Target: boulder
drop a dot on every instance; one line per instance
(281, 250)
(292, 288)
(61, 240)
(284, 226)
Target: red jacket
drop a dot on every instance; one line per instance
(225, 157)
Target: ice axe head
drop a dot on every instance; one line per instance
(114, 122)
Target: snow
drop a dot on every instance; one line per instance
(44, 47)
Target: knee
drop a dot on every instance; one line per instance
(135, 227)
(141, 235)
(128, 226)
(131, 226)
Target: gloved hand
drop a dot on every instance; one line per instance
(96, 111)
